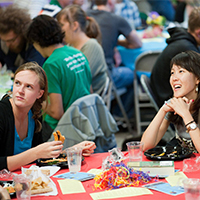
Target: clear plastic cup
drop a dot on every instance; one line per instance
(135, 150)
(191, 164)
(74, 157)
(192, 188)
(23, 186)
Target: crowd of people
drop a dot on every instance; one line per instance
(68, 52)
(58, 56)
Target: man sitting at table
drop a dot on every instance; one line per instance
(14, 48)
(67, 69)
(111, 27)
(180, 40)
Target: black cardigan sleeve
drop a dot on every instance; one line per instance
(6, 132)
(7, 127)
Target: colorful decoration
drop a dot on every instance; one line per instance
(155, 28)
(155, 19)
(119, 175)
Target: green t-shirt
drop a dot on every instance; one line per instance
(68, 74)
(55, 2)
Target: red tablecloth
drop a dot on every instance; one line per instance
(95, 161)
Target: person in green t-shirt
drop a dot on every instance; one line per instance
(67, 69)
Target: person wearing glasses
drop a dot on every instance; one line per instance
(14, 47)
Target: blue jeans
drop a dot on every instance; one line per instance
(123, 77)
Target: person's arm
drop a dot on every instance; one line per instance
(45, 150)
(181, 106)
(132, 41)
(91, 90)
(117, 57)
(55, 106)
(156, 129)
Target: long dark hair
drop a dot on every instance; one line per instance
(189, 60)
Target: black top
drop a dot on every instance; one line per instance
(14, 60)
(180, 40)
(7, 128)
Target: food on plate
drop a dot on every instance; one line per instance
(58, 136)
(161, 154)
(38, 186)
(8, 185)
(44, 171)
(165, 154)
(54, 161)
(10, 189)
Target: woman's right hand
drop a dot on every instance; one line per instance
(49, 149)
(166, 108)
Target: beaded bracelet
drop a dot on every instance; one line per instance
(189, 123)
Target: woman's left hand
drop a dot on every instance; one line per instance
(87, 146)
(181, 106)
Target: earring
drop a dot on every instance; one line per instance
(197, 89)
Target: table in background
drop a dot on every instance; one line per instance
(95, 161)
(129, 56)
(5, 84)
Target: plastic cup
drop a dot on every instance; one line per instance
(192, 188)
(74, 157)
(191, 165)
(135, 150)
(23, 186)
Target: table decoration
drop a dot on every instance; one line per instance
(156, 24)
(120, 175)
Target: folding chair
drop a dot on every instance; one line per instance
(88, 118)
(143, 65)
(113, 93)
(145, 82)
(105, 90)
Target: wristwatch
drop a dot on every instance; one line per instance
(191, 126)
